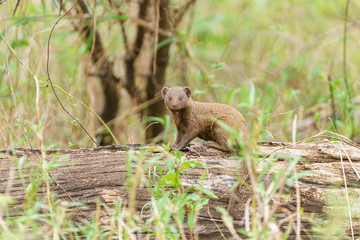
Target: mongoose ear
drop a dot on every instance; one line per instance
(187, 91)
(164, 91)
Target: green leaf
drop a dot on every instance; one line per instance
(191, 220)
(286, 196)
(225, 214)
(185, 165)
(209, 193)
(165, 42)
(203, 202)
(200, 76)
(177, 154)
(130, 156)
(291, 179)
(252, 95)
(74, 123)
(167, 126)
(19, 43)
(20, 22)
(157, 150)
(191, 164)
(154, 119)
(43, 7)
(204, 190)
(170, 179)
(169, 164)
(231, 95)
(260, 188)
(193, 197)
(159, 169)
(218, 65)
(116, 17)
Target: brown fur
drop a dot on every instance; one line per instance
(198, 119)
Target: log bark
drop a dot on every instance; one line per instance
(101, 173)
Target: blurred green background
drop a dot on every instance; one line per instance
(279, 62)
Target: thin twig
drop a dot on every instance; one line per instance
(87, 6)
(49, 78)
(89, 109)
(17, 5)
(195, 61)
(182, 11)
(294, 129)
(347, 195)
(97, 219)
(332, 99)
(3, 137)
(133, 52)
(156, 36)
(89, 90)
(212, 219)
(247, 215)
(60, 7)
(67, 194)
(278, 114)
(133, 186)
(347, 85)
(274, 206)
(298, 208)
(187, 212)
(124, 35)
(354, 167)
(229, 41)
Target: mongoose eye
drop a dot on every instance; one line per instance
(170, 98)
(180, 98)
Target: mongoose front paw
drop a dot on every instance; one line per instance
(173, 147)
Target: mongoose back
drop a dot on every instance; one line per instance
(198, 119)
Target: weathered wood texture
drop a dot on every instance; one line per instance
(102, 174)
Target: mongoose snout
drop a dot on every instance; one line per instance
(200, 119)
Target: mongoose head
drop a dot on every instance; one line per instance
(176, 98)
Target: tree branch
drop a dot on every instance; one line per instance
(133, 53)
(182, 11)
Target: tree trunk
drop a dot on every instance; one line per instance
(102, 174)
(158, 26)
(156, 80)
(107, 77)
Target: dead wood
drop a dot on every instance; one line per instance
(102, 174)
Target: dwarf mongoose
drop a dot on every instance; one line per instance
(198, 119)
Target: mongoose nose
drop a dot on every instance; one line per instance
(174, 105)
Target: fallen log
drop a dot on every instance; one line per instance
(102, 174)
